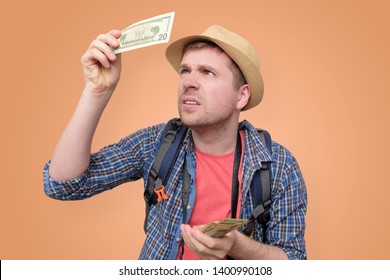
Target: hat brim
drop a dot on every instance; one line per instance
(174, 54)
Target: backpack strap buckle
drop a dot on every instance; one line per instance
(261, 212)
(150, 196)
(261, 215)
(249, 228)
(160, 191)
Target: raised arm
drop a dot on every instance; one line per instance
(102, 70)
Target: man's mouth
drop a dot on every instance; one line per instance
(191, 103)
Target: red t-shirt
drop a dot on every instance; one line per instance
(213, 190)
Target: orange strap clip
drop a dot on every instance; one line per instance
(161, 194)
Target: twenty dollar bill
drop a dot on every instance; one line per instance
(148, 32)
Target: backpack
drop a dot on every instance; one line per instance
(167, 154)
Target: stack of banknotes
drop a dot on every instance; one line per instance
(221, 228)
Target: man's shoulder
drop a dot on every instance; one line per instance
(279, 153)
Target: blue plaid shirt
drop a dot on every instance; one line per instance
(131, 159)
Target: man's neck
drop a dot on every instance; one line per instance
(215, 141)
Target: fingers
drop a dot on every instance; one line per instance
(116, 33)
(203, 245)
(110, 38)
(101, 49)
(196, 247)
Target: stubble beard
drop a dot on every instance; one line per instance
(207, 118)
(205, 121)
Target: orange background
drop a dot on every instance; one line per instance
(326, 70)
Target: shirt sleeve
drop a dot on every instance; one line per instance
(287, 225)
(113, 165)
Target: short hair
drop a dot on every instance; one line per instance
(239, 78)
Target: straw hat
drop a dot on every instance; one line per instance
(239, 50)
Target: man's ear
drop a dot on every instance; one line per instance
(244, 95)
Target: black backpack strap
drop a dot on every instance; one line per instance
(164, 161)
(185, 197)
(235, 182)
(262, 190)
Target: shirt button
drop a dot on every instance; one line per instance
(188, 207)
(178, 239)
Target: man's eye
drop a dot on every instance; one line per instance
(209, 73)
(184, 71)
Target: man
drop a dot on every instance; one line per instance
(218, 78)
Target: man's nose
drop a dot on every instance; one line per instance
(191, 80)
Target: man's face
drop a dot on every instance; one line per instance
(206, 95)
